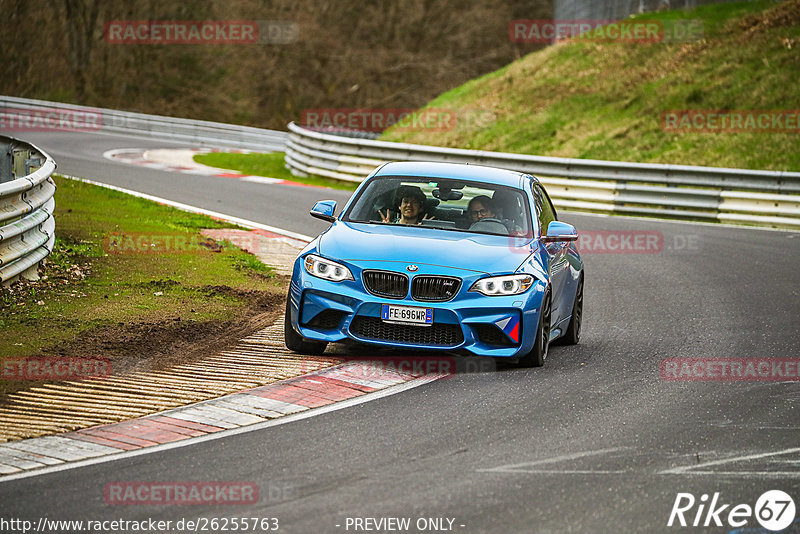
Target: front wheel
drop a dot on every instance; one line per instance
(297, 343)
(537, 355)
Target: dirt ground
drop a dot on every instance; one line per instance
(172, 340)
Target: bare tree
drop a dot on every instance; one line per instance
(80, 22)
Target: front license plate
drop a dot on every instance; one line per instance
(407, 315)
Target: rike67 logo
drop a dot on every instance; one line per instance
(774, 510)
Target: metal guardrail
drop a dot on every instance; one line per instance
(217, 134)
(27, 226)
(770, 198)
(739, 196)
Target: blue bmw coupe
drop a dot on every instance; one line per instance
(440, 257)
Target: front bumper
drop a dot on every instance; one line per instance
(503, 326)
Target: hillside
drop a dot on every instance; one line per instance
(606, 100)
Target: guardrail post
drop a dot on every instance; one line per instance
(31, 273)
(20, 155)
(31, 164)
(6, 163)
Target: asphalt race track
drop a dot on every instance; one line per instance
(81, 154)
(595, 441)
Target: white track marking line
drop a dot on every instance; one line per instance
(112, 154)
(689, 469)
(260, 179)
(181, 160)
(193, 209)
(744, 474)
(692, 470)
(367, 397)
(519, 468)
(567, 472)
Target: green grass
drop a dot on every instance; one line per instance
(605, 100)
(124, 287)
(270, 165)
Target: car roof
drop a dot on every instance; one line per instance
(462, 171)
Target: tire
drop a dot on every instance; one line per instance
(537, 355)
(297, 343)
(573, 333)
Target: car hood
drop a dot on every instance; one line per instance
(356, 242)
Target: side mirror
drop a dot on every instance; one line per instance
(324, 209)
(559, 231)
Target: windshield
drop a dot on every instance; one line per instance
(447, 204)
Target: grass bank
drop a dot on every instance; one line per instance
(270, 165)
(133, 281)
(606, 100)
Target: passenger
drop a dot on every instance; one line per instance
(411, 208)
(481, 207)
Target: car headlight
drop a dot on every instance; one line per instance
(327, 269)
(496, 286)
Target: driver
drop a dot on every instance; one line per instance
(411, 208)
(481, 207)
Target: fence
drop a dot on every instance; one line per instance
(103, 120)
(27, 226)
(739, 196)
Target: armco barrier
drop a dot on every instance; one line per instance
(214, 134)
(740, 196)
(27, 226)
(767, 198)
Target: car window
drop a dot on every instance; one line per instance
(544, 209)
(448, 204)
